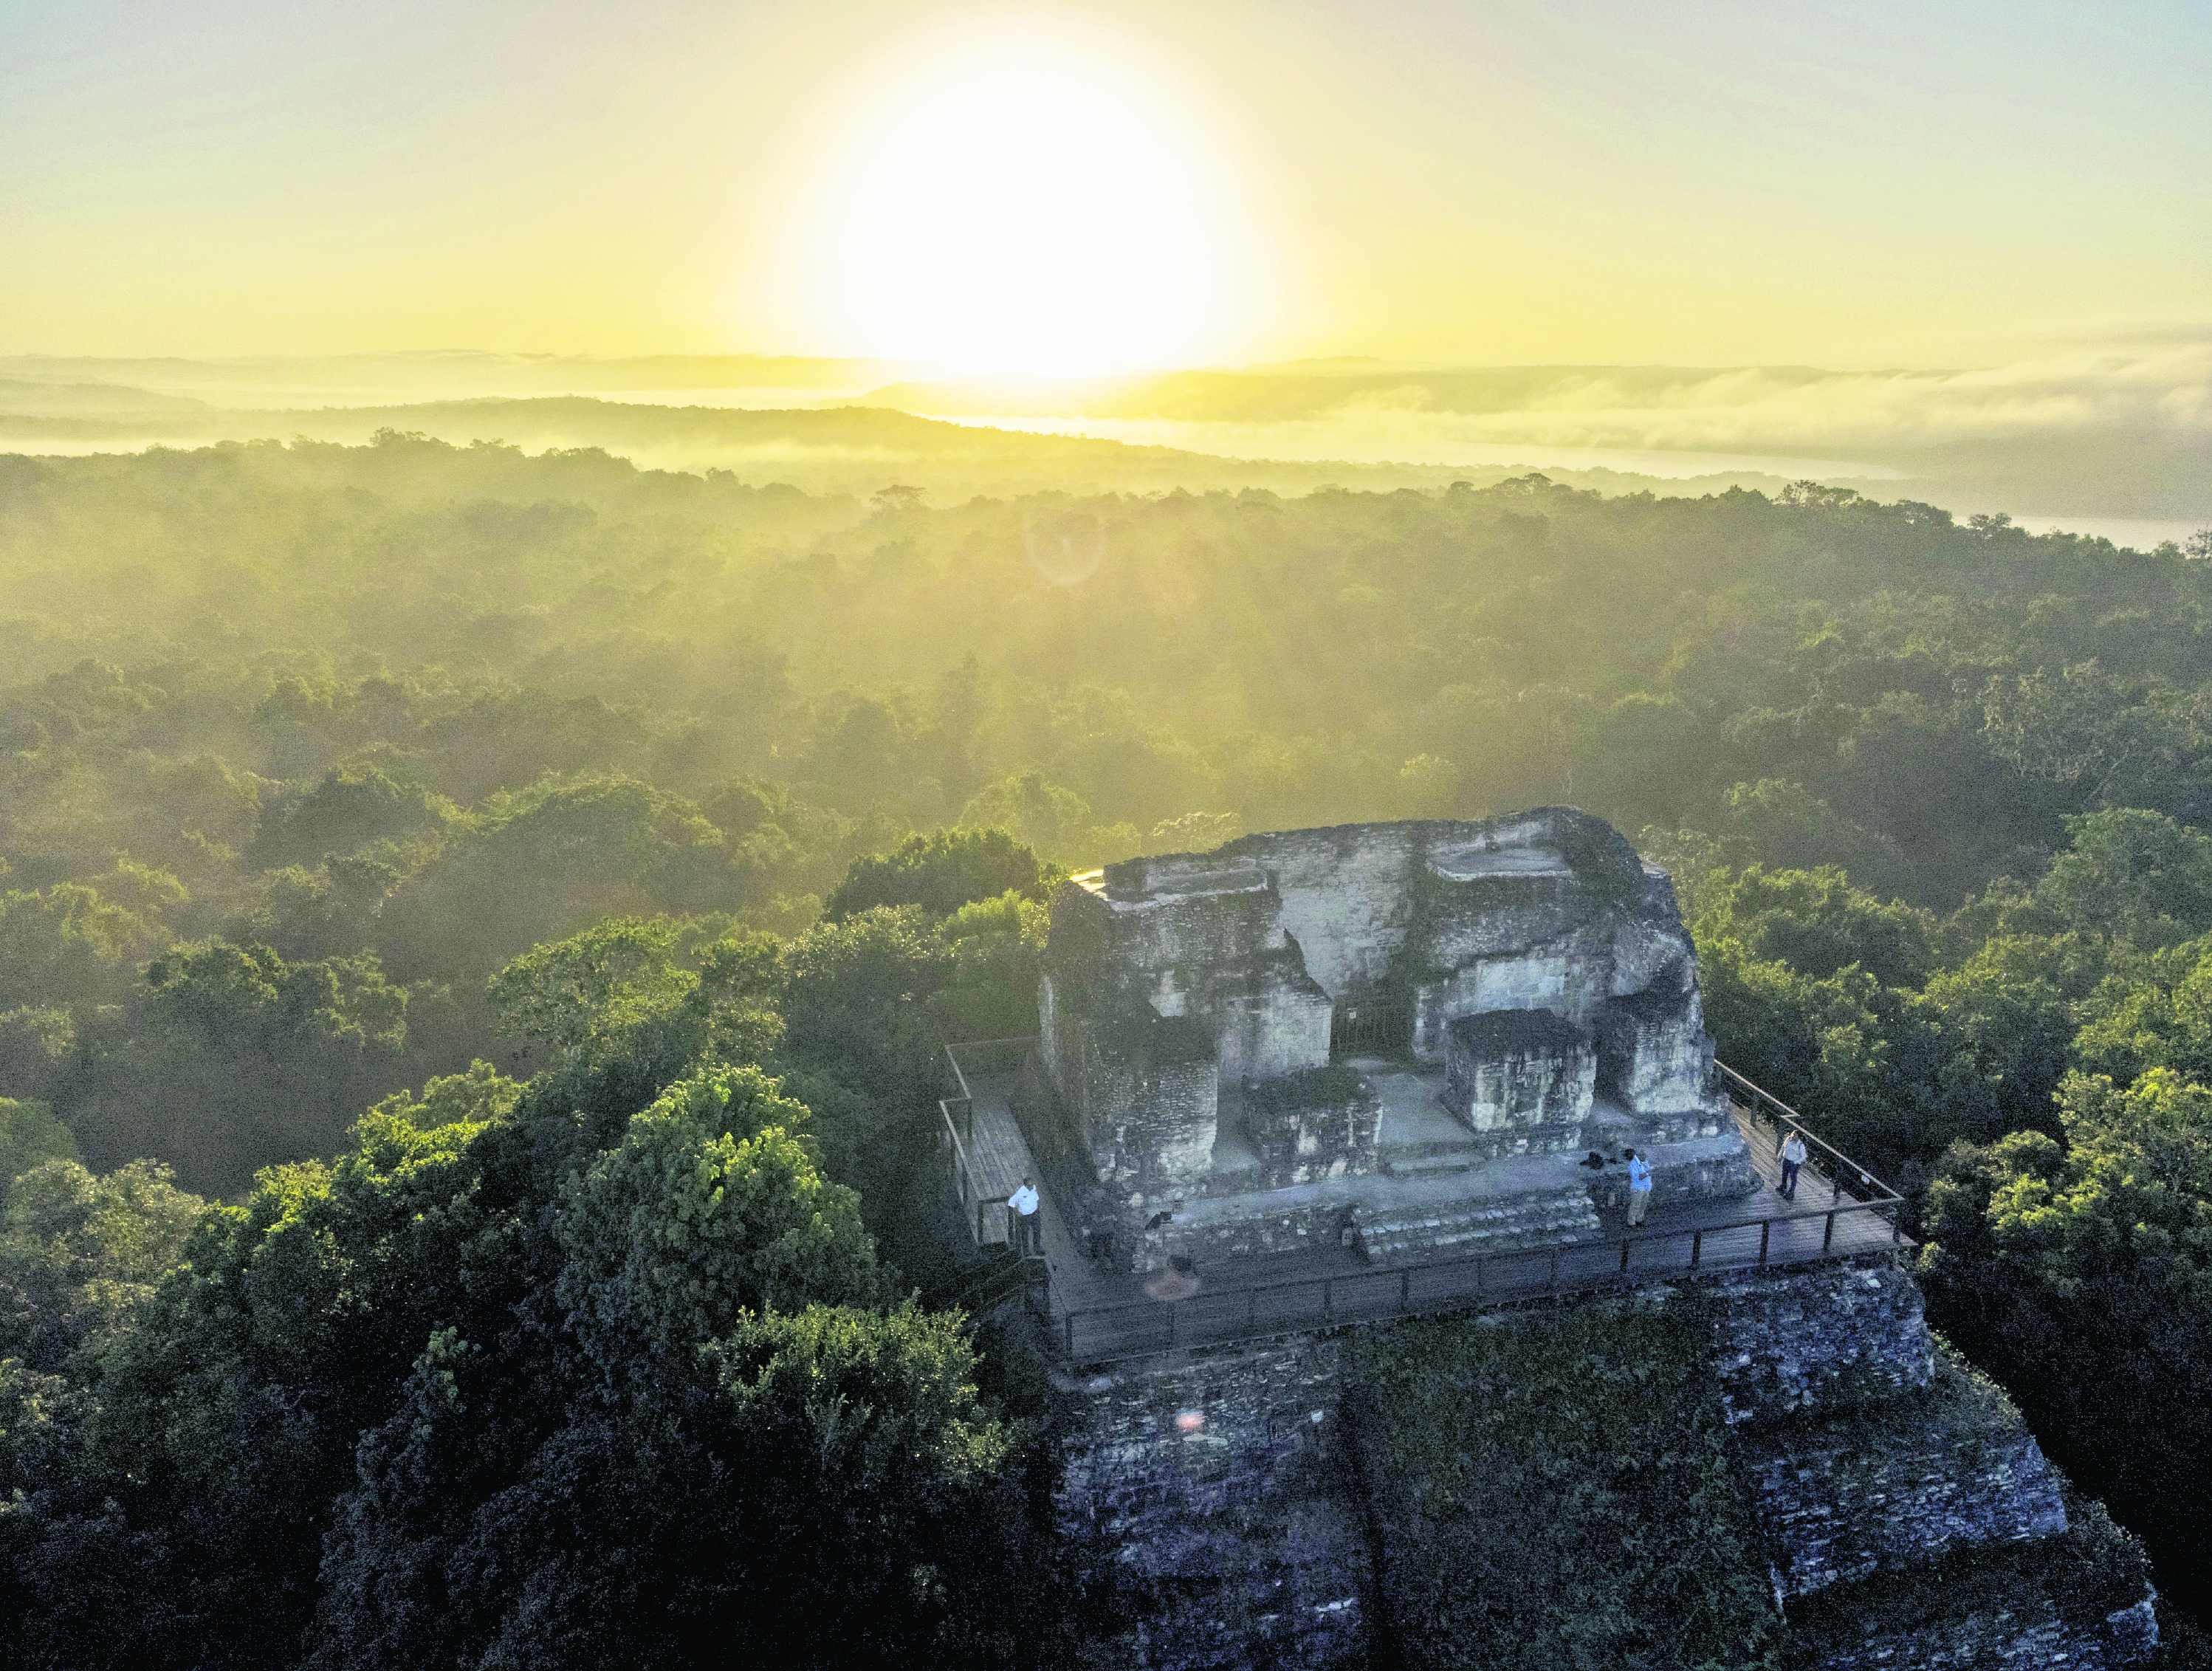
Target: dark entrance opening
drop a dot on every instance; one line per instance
(1377, 1028)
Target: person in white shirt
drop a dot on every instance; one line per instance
(1639, 1187)
(1793, 1157)
(1024, 1204)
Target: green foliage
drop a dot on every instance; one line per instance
(1049, 818)
(2153, 1012)
(240, 998)
(355, 805)
(855, 994)
(591, 848)
(1558, 1492)
(29, 1135)
(941, 872)
(994, 951)
(708, 1208)
(2133, 874)
(67, 945)
(320, 766)
(2081, 1273)
(1816, 922)
(619, 970)
(81, 1254)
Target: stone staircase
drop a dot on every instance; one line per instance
(1463, 1228)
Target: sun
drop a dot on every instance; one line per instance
(1026, 206)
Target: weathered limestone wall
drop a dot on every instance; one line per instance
(1654, 1054)
(1301, 1128)
(2015, 1626)
(1147, 1114)
(1486, 1225)
(1247, 954)
(1288, 1226)
(1279, 1027)
(1215, 1491)
(1911, 1519)
(1212, 1492)
(1952, 1464)
(1832, 1337)
(1525, 1072)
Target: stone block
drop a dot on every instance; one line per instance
(1212, 1482)
(1512, 1070)
(1308, 1126)
(1654, 1056)
(1534, 957)
(1839, 1498)
(1823, 1339)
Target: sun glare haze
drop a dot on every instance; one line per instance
(1021, 204)
(902, 835)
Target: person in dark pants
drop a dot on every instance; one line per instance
(1024, 1204)
(1793, 1157)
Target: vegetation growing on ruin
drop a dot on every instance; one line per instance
(1559, 1490)
(2089, 1571)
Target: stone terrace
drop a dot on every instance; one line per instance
(1095, 1314)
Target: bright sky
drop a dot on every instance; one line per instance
(1094, 186)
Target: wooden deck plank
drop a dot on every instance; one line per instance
(999, 1152)
(1112, 1319)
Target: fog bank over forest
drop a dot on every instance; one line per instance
(2113, 438)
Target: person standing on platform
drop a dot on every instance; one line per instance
(1639, 1187)
(1793, 1157)
(1024, 1204)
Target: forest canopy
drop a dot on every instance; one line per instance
(459, 907)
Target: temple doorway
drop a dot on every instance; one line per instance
(1376, 1028)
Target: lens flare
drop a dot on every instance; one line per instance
(1025, 207)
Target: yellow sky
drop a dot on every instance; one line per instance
(1106, 184)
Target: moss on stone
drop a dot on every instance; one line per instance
(1557, 1489)
(1331, 1087)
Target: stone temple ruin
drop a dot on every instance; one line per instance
(1401, 1038)
(1282, 1090)
(1386, 1048)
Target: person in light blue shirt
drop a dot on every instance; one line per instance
(1639, 1186)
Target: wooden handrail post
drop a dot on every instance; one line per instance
(1696, 1247)
(1624, 1255)
(1828, 1234)
(1766, 1226)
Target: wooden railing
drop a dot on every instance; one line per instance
(957, 1111)
(990, 1055)
(1843, 1173)
(1140, 1328)
(1027, 1274)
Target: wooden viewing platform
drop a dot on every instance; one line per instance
(1092, 1315)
